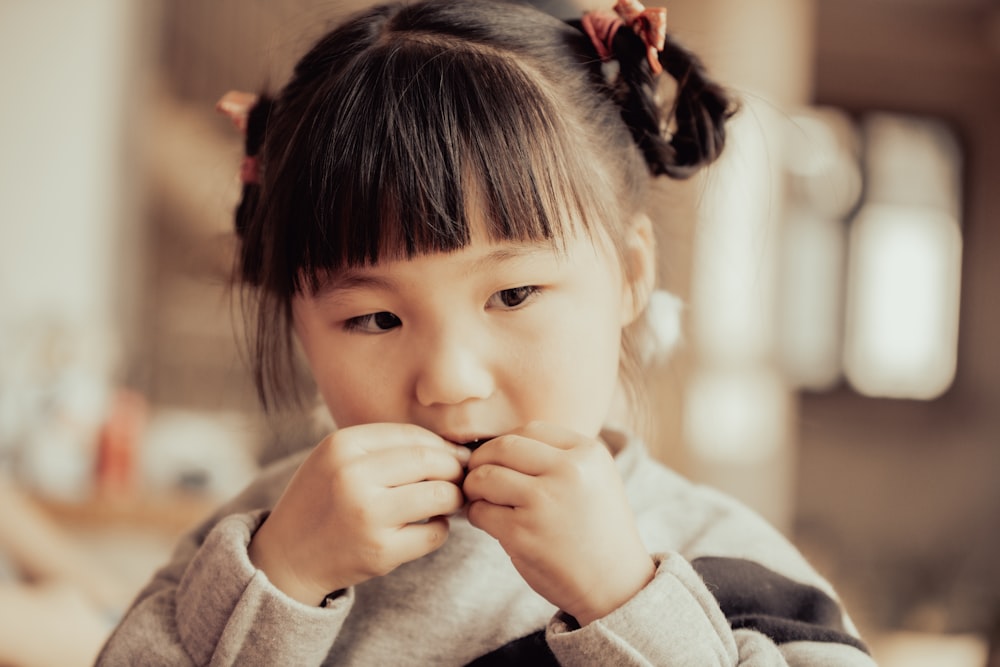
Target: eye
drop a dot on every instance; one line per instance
(513, 297)
(373, 322)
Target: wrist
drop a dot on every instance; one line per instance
(279, 573)
(619, 590)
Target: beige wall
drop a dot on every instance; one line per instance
(65, 240)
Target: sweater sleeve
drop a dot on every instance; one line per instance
(209, 605)
(715, 611)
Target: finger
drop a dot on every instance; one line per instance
(410, 464)
(517, 452)
(489, 517)
(552, 435)
(369, 438)
(499, 486)
(417, 502)
(416, 540)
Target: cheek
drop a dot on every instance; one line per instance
(354, 388)
(358, 389)
(572, 377)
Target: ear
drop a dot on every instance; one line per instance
(640, 267)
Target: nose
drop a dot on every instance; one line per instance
(452, 368)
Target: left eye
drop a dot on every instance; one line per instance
(513, 297)
(373, 322)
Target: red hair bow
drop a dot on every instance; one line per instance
(236, 105)
(650, 24)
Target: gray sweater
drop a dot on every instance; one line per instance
(728, 590)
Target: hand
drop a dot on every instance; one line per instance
(555, 502)
(367, 499)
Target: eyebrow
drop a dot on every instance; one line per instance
(510, 252)
(348, 280)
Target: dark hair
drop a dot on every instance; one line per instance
(399, 120)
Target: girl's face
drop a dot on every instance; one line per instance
(474, 343)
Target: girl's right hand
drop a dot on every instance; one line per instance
(367, 499)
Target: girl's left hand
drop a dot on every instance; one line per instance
(555, 502)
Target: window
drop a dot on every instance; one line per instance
(871, 293)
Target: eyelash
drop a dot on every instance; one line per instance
(361, 322)
(526, 293)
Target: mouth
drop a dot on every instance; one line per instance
(473, 445)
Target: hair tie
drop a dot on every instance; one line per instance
(250, 170)
(236, 105)
(650, 24)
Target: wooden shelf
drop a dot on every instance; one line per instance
(170, 514)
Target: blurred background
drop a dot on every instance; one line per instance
(840, 369)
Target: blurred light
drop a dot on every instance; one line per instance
(904, 271)
(734, 253)
(912, 161)
(736, 426)
(736, 416)
(810, 297)
(902, 319)
(824, 184)
(822, 163)
(736, 406)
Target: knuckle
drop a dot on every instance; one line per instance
(341, 477)
(534, 426)
(474, 476)
(597, 450)
(332, 448)
(362, 516)
(577, 469)
(480, 476)
(376, 559)
(538, 495)
(346, 483)
(592, 452)
(436, 535)
(504, 444)
(474, 513)
(516, 538)
(420, 457)
(443, 495)
(328, 443)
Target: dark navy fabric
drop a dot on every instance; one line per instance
(531, 650)
(754, 597)
(750, 595)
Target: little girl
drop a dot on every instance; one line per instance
(443, 210)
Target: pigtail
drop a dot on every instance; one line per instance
(700, 111)
(690, 133)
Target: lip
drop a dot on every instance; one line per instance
(472, 443)
(476, 443)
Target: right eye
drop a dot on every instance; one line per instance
(514, 297)
(379, 322)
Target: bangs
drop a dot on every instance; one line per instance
(408, 141)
